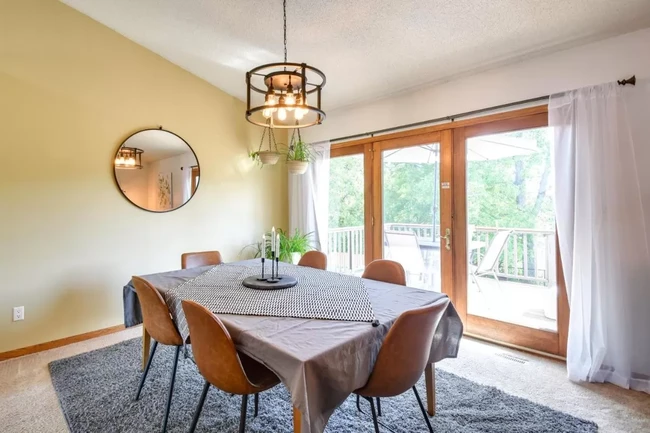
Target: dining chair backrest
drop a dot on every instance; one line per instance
(387, 271)
(405, 351)
(314, 259)
(214, 351)
(155, 314)
(203, 258)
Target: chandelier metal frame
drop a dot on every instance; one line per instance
(277, 81)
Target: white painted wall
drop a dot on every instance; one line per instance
(590, 64)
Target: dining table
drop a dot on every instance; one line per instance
(321, 362)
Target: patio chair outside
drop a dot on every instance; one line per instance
(490, 260)
(403, 247)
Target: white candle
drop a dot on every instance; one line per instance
(273, 239)
(277, 247)
(264, 246)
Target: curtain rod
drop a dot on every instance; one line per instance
(631, 80)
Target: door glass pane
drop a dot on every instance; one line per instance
(411, 212)
(346, 242)
(511, 228)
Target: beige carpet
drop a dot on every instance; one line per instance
(28, 402)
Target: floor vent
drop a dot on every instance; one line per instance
(511, 357)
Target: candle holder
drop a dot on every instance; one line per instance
(262, 277)
(275, 281)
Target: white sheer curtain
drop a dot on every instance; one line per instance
(602, 169)
(309, 196)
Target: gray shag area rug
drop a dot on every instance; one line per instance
(96, 391)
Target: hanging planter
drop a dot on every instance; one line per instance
(267, 157)
(297, 167)
(299, 155)
(270, 156)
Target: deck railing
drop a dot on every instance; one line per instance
(529, 255)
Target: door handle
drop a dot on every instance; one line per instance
(447, 238)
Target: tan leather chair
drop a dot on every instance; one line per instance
(162, 329)
(314, 259)
(203, 258)
(220, 364)
(403, 356)
(387, 271)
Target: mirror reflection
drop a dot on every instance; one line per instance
(156, 170)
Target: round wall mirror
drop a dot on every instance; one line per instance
(156, 170)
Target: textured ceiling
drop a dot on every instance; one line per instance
(367, 48)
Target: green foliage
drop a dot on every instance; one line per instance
(510, 192)
(255, 156)
(296, 243)
(299, 152)
(346, 191)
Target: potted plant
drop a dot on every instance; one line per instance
(293, 247)
(298, 157)
(265, 157)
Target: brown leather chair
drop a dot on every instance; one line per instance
(162, 329)
(314, 259)
(220, 364)
(387, 271)
(203, 258)
(403, 356)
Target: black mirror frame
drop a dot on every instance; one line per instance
(127, 198)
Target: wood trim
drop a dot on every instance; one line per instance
(377, 203)
(446, 213)
(460, 223)
(368, 202)
(411, 140)
(536, 339)
(514, 346)
(59, 343)
(563, 310)
(448, 125)
(335, 152)
(539, 120)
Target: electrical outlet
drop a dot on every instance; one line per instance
(19, 313)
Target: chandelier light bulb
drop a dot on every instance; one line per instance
(299, 113)
(282, 114)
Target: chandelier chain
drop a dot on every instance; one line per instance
(284, 9)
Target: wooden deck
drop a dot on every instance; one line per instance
(524, 304)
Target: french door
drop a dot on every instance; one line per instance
(467, 210)
(506, 261)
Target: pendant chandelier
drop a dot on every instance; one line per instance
(284, 95)
(129, 158)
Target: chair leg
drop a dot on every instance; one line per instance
(171, 388)
(424, 412)
(378, 407)
(146, 370)
(199, 408)
(257, 402)
(242, 418)
(374, 414)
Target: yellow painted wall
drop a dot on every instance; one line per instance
(70, 91)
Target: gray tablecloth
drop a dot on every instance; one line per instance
(321, 362)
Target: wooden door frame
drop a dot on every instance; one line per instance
(444, 138)
(544, 341)
(453, 135)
